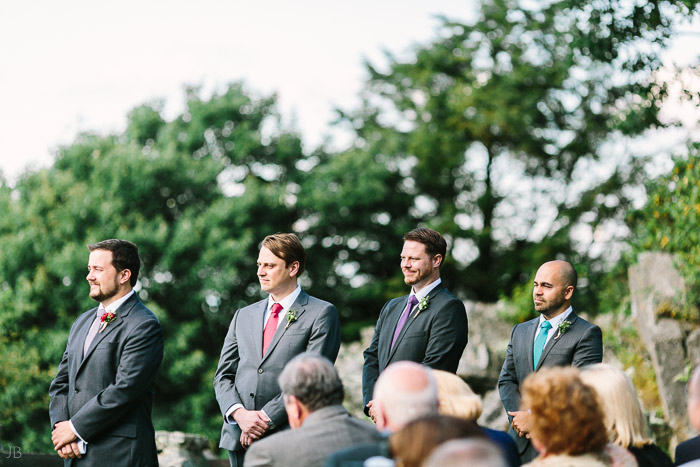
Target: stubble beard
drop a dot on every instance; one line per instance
(103, 295)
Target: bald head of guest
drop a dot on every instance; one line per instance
(404, 392)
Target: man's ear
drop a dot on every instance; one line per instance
(294, 412)
(569, 292)
(437, 260)
(124, 276)
(294, 269)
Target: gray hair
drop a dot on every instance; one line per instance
(466, 452)
(313, 380)
(404, 400)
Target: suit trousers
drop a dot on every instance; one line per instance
(235, 458)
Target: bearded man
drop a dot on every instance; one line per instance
(556, 338)
(427, 326)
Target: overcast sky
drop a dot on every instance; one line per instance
(80, 65)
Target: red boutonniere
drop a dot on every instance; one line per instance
(106, 319)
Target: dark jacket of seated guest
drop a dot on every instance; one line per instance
(688, 450)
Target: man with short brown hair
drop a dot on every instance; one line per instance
(103, 392)
(428, 326)
(262, 338)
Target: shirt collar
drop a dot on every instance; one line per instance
(287, 301)
(425, 290)
(114, 306)
(557, 320)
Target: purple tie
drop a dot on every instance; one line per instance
(411, 303)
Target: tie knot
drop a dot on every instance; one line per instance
(546, 326)
(276, 308)
(412, 301)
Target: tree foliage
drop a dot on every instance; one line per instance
(499, 129)
(670, 221)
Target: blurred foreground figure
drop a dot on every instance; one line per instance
(466, 453)
(313, 397)
(405, 391)
(624, 417)
(457, 399)
(688, 452)
(413, 444)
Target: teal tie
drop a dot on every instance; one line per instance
(539, 343)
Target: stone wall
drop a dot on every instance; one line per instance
(656, 289)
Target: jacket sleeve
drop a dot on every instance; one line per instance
(58, 390)
(370, 369)
(590, 348)
(138, 365)
(225, 377)
(508, 383)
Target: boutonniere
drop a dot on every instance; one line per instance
(563, 326)
(291, 317)
(106, 319)
(422, 305)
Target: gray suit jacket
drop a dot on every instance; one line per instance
(580, 345)
(436, 337)
(245, 377)
(323, 432)
(108, 395)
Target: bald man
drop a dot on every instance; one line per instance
(688, 452)
(404, 392)
(555, 338)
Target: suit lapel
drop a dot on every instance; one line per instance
(553, 341)
(121, 313)
(411, 317)
(530, 342)
(298, 305)
(259, 327)
(394, 320)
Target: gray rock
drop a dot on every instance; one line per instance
(178, 449)
(656, 287)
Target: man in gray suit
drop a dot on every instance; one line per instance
(102, 395)
(262, 338)
(428, 326)
(313, 397)
(556, 338)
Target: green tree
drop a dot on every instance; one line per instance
(498, 127)
(670, 221)
(196, 194)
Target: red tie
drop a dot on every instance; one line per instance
(271, 326)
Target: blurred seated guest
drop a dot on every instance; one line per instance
(313, 398)
(456, 398)
(688, 452)
(567, 426)
(405, 391)
(623, 414)
(466, 453)
(412, 444)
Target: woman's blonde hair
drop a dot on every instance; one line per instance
(455, 397)
(624, 417)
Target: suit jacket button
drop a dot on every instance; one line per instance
(260, 370)
(76, 391)
(252, 395)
